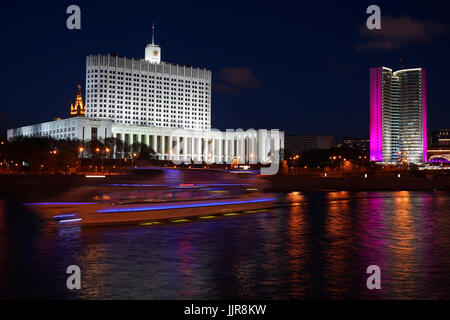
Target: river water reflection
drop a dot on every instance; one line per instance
(316, 245)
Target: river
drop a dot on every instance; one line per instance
(314, 245)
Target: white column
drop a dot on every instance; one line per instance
(250, 148)
(154, 142)
(185, 149)
(205, 151)
(237, 149)
(247, 149)
(219, 153)
(242, 141)
(193, 157)
(240, 149)
(213, 150)
(177, 148)
(225, 151)
(232, 151)
(170, 151)
(163, 146)
(199, 149)
(255, 149)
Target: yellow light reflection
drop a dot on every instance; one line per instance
(402, 247)
(297, 248)
(338, 253)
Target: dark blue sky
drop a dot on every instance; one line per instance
(302, 68)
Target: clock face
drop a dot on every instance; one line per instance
(155, 52)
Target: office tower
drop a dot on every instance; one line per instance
(398, 122)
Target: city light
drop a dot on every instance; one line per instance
(200, 190)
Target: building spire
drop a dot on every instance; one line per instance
(153, 33)
(78, 109)
(152, 50)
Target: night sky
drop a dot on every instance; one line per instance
(298, 67)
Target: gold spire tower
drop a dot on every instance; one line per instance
(78, 110)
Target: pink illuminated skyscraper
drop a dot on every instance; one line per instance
(398, 115)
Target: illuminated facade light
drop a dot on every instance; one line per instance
(398, 120)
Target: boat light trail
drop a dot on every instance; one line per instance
(149, 223)
(58, 203)
(197, 205)
(180, 220)
(69, 220)
(68, 215)
(136, 185)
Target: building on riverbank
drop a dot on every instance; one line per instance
(163, 105)
(398, 116)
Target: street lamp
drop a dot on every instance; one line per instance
(132, 159)
(81, 149)
(98, 150)
(332, 158)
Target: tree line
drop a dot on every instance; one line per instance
(38, 152)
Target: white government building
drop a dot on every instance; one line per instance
(166, 106)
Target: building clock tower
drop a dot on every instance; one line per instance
(153, 51)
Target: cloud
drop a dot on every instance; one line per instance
(225, 88)
(233, 79)
(400, 32)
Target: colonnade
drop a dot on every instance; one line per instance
(180, 145)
